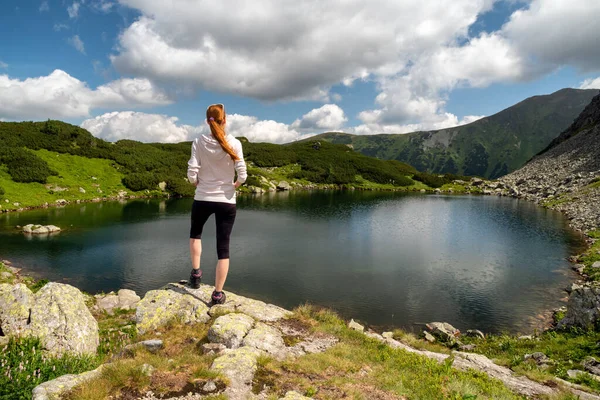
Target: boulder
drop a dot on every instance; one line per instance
(238, 365)
(283, 185)
(475, 333)
(591, 365)
(15, 305)
(356, 326)
(62, 321)
(54, 389)
(128, 299)
(213, 348)
(476, 182)
(230, 329)
(539, 358)
(443, 331)
(108, 302)
(261, 311)
(583, 308)
(159, 307)
(266, 338)
(596, 264)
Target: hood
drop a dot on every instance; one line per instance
(212, 147)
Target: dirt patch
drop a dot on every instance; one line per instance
(294, 327)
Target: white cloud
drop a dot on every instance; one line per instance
(138, 126)
(3, 65)
(76, 42)
(102, 5)
(590, 84)
(327, 117)
(73, 10)
(447, 120)
(289, 49)
(161, 128)
(60, 95)
(44, 6)
(60, 27)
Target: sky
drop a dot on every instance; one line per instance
(287, 69)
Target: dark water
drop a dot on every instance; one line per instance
(386, 259)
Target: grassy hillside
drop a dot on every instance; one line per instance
(490, 147)
(46, 161)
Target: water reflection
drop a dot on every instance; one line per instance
(386, 258)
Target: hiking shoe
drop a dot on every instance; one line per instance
(218, 297)
(195, 278)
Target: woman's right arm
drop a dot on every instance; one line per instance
(240, 166)
(194, 165)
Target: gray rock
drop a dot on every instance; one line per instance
(108, 302)
(283, 185)
(476, 182)
(539, 358)
(356, 326)
(62, 321)
(591, 365)
(61, 202)
(261, 311)
(6, 275)
(443, 331)
(467, 347)
(54, 389)
(209, 387)
(266, 338)
(230, 329)
(15, 305)
(81, 190)
(159, 307)
(429, 337)
(128, 299)
(213, 348)
(475, 333)
(583, 308)
(153, 346)
(525, 337)
(388, 335)
(294, 396)
(574, 373)
(147, 369)
(40, 230)
(239, 366)
(596, 264)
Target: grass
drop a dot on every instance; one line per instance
(24, 366)
(591, 256)
(362, 368)
(566, 349)
(179, 367)
(74, 172)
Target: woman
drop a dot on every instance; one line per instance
(216, 156)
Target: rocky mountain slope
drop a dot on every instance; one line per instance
(566, 175)
(490, 147)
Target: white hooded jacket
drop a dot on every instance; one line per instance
(212, 170)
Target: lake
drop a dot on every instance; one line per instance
(387, 259)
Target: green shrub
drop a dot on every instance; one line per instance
(180, 187)
(140, 181)
(1, 192)
(24, 366)
(24, 166)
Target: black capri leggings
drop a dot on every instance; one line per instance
(224, 218)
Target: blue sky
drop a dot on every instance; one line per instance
(145, 70)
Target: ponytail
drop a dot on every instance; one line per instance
(215, 115)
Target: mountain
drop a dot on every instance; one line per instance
(566, 175)
(490, 147)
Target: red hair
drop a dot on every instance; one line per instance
(215, 117)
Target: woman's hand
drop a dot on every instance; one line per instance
(237, 184)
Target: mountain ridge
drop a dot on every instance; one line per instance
(490, 147)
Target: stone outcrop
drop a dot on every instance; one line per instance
(40, 229)
(60, 318)
(230, 329)
(54, 389)
(15, 306)
(159, 307)
(583, 308)
(124, 299)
